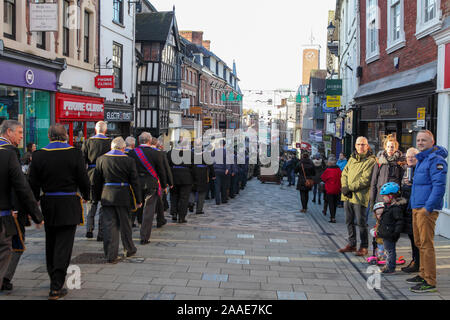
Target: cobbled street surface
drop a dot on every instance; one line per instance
(258, 246)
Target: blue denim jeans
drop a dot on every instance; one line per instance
(391, 255)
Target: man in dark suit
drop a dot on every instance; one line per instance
(116, 185)
(11, 134)
(152, 177)
(160, 220)
(202, 175)
(12, 179)
(59, 171)
(92, 149)
(182, 180)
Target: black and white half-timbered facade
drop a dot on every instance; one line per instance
(158, 75)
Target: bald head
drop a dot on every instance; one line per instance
(424, 140)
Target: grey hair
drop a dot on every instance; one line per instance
(9, 124)
(145, 137)
(332, 159)
(101, 126)
(413, 151)
(130, 141)
(57, 132)
(118, 143)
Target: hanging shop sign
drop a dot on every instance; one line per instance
(326, 109)
(103, 82)
(334, 87)
(172, 86)
(333, 101)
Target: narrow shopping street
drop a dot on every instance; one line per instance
(258, 246)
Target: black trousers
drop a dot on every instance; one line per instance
(58, 251)
(415, 250)
(304, 197)
(332, 200)
(160, 210)
(179, 200)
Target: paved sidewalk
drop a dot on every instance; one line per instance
(258, 246)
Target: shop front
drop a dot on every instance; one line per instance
(394, 104)
(119, 121)
(79, 113)
(27, 87)
(397, 118)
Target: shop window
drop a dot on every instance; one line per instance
(9, 19)
(117, 65)
(37, 110)
(10, 103)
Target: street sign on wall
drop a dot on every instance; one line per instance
(421, 113)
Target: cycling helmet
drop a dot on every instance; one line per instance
(389, 188)
(378, 205)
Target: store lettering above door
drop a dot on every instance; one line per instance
(384, 111)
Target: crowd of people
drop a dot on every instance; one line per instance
(117, 179)
(405, 193)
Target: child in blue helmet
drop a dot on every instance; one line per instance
(391, 223)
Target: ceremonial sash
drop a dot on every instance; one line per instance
(4, 142)
(99, 136)
(147, 166)
(57, 145)
(117, 184)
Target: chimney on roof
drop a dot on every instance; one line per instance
(193, 36)
(207, 44)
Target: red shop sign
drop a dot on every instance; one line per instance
(104, 82)
(78, 108)
(306, 146)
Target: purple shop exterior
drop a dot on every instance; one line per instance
(27, 92)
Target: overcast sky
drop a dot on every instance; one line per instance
(265, 37)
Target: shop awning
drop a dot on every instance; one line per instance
(422, 74)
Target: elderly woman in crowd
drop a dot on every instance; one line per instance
(407, 182)
(389, 169)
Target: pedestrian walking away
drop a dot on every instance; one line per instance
(116, 185)
(152, 175)
(183, 180)
(306, 172)
(58, 170)
(332, 179)
(92, 149)
(427, 198)
(355, 182)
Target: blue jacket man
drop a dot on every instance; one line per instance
(427, 194)
(429, 179)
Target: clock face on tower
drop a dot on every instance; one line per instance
(310, 56)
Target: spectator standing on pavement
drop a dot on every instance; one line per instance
(58, 170)
(306, 172)
(427, 195)
(27, 157)
(222, 171)
(116, 185)
(12, 181)
(391, 223)
(355, 182)
(332, 179)
(92, 149)
(342, 162)
(389, 169)
(319, 167)
(406, 187)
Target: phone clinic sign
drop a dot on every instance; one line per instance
(79, 108)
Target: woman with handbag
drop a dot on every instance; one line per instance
(306, 171)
